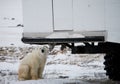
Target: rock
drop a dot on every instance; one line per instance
(63, 77)
(2, 58)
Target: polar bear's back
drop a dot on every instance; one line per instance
(30, 57)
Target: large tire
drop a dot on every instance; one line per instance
(112, 66)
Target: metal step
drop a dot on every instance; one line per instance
(63, 40)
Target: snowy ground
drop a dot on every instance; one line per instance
(59, 66)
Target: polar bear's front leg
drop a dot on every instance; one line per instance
(34, 73)
(23, 72)
(40, 72)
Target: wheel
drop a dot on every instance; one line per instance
(112, 66)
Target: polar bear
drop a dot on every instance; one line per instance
(32, 65)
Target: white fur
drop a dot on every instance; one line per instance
(32, 66)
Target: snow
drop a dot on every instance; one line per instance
(65, 66)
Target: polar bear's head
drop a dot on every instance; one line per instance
(44, 51)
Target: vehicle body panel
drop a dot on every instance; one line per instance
(71, 16)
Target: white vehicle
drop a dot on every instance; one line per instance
(66, 22)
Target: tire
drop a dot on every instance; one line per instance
(112, 66)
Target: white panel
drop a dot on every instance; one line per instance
(113, 20)
(37, 15)
(73, 14)
(63, 14)
(89, 15)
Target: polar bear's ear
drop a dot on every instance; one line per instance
(45, 47)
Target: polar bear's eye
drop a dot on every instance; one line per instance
(42, 51)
